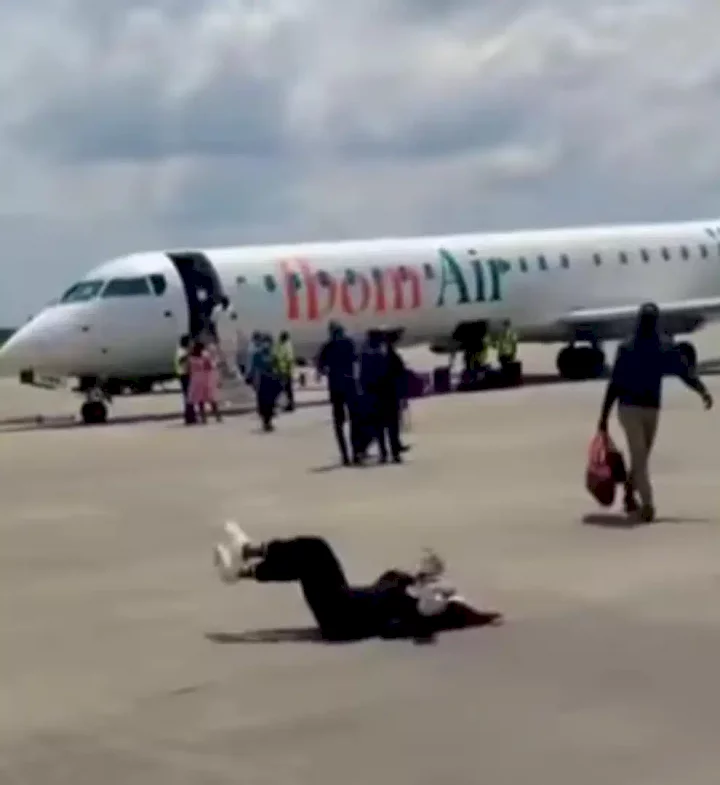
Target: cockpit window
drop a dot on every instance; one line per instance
(159, 284)
(82, 292)
(127, 287)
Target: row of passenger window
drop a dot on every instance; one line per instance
(117, 287)
(524, 265)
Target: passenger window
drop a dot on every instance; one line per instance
(645, 255)
(159, 284)
(564, 261)
(403, 273)
(665, 254)
(703, 251)
(350, 276)
(270, 283)
(684, 252)
(323, 278)
(522, 262)
(623, 257)
(542, 263)
(296, 281)
(82, 292)
(597, 259)
(429, 272)
(127, 287)
(377, 274)
(240, 280)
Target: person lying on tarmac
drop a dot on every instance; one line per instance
(398, 604)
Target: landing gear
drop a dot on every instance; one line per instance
(581, 362)
(94, 411)
(688, 353)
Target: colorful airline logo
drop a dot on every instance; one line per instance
(312, 294)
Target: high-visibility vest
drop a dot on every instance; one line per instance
(181, 362)
(284, 358)
(507, 344)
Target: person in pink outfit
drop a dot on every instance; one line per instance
(204, 382)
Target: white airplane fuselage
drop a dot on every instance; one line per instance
(125, 317)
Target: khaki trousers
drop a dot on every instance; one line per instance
(640, 426)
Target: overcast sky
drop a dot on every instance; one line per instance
(129, 125)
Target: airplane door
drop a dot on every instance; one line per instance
(198, 276)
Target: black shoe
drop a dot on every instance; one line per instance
(383, 459)
(647, 513)
(397, 459)
(405, 448)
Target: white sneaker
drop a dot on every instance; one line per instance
(227, 562)
(238, 538)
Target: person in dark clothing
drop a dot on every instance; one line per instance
(337, 361)
(265, 382)
(376, 385)
(399, 376)
(636, 385)
(397, 604)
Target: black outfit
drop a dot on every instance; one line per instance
(346, 613)
(342, 612)
(337, 360)
(265, 398)
(288, 388)
(382, 377)
(189, 409)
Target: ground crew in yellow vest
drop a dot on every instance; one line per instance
(506, 344)
(182, 368)
(285, 364)
(480, 357)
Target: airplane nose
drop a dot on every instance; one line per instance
(41, 345)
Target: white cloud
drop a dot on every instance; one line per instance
(130, 124)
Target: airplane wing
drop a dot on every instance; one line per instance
(677, 316)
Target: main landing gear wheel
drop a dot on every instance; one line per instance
(581, 362)
(94, 413)
(688, 353)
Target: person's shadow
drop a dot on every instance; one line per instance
(617, 520)
(457, 617)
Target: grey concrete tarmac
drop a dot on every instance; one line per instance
(606, 671)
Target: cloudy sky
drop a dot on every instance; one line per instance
(128, 125)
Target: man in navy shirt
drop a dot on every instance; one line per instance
(636, 385)
(337, 361)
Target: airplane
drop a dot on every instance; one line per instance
(577, 286)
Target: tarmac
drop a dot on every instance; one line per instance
(124, 660)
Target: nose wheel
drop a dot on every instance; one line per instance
(581, 362)
(94, 413)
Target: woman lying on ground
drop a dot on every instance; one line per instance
(398, 604)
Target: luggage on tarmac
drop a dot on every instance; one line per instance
(605, 469)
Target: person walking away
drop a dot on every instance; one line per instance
(397, 395)
(337, 361)
(264, 381)
(636, 385)
(202, 381)
(375, 384)
(182, 371)
(285, 363)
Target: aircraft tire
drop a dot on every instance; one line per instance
(578, 363)
(94, 413)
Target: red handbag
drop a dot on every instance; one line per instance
(605, 469)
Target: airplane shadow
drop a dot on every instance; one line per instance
(617, 520)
